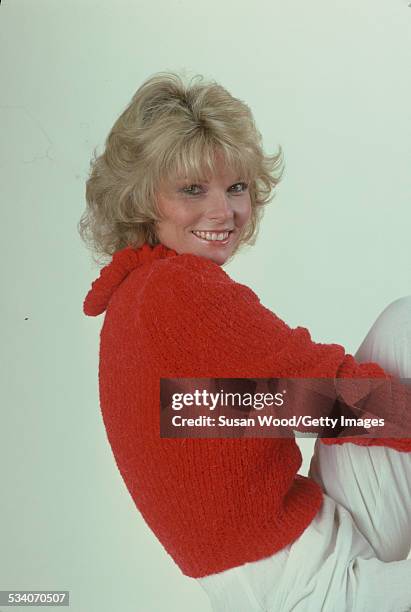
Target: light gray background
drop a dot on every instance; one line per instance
(329, 81)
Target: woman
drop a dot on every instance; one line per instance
(179, 189)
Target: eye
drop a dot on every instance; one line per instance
(244, 187)
(196, 189)
(189, 189)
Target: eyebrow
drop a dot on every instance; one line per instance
(186, 178)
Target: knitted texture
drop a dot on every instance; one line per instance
(213, 503)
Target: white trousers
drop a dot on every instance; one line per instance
(353, 556)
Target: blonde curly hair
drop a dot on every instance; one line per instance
(167, 128)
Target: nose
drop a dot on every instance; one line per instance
(219, 207)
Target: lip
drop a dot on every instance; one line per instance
(214, 231)
(215, 242)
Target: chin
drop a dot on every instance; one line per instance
(217, 254)
(218, 258)
(220, 261)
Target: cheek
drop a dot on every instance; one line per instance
(245, 213)
(183, 218)
(175, 213)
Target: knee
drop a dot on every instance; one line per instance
(389, 340)
(395, 317)
(401, 304)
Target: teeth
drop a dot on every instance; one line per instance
(212, 235)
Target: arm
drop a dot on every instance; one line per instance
(204, 324)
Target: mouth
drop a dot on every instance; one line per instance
(215, 237)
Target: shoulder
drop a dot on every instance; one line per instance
(188, 266)
(190, 273)
(190, 282)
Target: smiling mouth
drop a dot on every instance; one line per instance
(220, 237)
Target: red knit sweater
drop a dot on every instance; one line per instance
(213, 503)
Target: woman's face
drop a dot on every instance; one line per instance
(204, 218)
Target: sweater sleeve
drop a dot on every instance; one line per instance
(201, 323)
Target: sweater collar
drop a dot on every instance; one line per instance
(113, 274)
